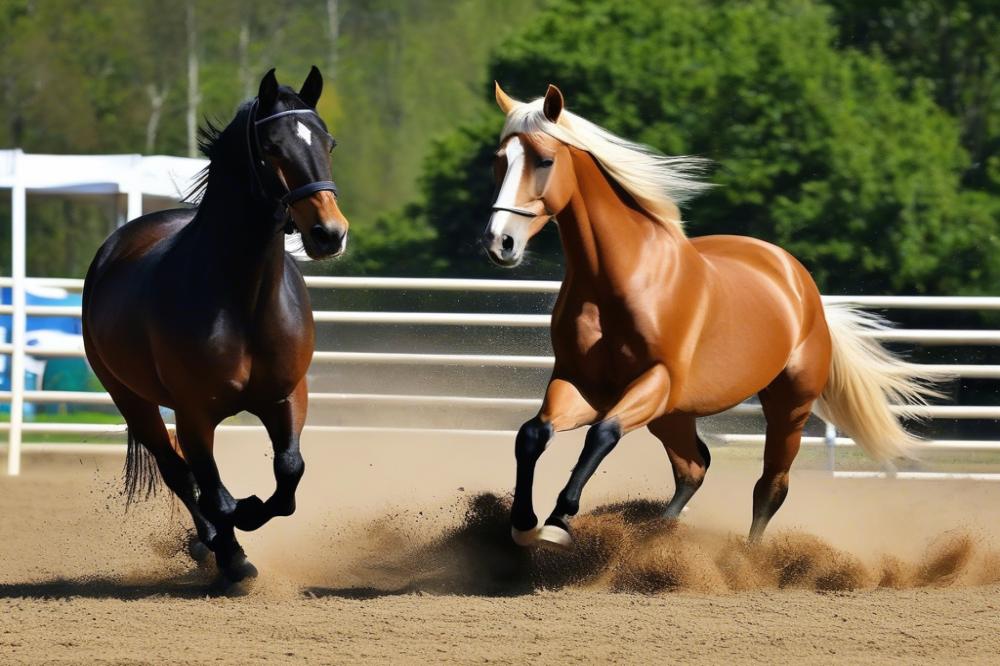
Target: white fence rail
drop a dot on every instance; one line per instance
(17, 396)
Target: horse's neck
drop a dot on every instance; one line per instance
(608, 243)
(235, 236)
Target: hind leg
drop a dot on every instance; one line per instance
(787, 402)
(197, 438)
(146, 427)
(688, 456)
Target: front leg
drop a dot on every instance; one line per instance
(284, 421)
(644, 400)
(563, 409)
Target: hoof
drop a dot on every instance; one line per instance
(225, 587)
(239, 571)
(555, 535)
(249, 514)
(198, 551)
(525, 538)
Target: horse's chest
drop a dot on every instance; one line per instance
(591, 349)
(227, 360)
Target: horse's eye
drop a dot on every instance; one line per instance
(544, 163)
(333, 142)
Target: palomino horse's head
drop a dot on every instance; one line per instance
(538, 171)
(293, 140)
(535, 179)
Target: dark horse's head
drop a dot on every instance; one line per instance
(279, 148)
(293, 147)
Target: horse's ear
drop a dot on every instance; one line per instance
(553, 104)
(268, 92)
(504, 101)
(312, 88)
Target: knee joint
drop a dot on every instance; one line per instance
(604, 435)
(289, 464)
(532, 439)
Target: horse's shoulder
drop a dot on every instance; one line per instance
(143, 233)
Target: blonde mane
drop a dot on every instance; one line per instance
(657, 182)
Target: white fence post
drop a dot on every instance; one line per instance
(18, 320)
(133, 203)
(830, 440)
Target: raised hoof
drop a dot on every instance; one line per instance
(525, 538)
(555, 535)
(198, 551)
(250, 514)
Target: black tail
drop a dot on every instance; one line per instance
(142, 477)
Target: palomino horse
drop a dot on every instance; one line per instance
(201, 310)
(655, 329)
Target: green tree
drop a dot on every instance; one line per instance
(952, 45)
(821, 150)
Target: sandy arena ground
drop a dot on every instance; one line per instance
(397, 555)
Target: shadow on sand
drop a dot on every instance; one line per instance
(191, 585)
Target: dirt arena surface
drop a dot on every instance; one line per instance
(399, 553)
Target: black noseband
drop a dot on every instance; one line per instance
(306, 190)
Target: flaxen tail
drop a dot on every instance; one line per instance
(870, 389)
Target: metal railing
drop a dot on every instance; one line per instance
(17, 396)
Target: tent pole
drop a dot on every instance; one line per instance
(18, 319)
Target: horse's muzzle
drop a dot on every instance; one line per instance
(502, 249)
(327, 241)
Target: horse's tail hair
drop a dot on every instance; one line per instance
(870, 389)
(142, 477)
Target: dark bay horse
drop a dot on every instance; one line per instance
(652, 328)
(202, 311)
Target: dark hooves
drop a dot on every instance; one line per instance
(250, 514)
(198, 551)
(240, 569)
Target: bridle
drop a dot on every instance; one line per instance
(257, 161)
(524, 212)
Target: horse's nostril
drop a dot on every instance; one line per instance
(320, 234)
(507, 242)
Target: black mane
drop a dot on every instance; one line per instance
(211, 144)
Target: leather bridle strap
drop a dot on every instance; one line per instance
(306, 190)
(524, 212)
(256, 159)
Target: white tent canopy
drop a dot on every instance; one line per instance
(132, 175)
(155, 175)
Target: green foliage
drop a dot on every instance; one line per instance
(953, 47)
(112, 77)
(864, 137)
(825, 151)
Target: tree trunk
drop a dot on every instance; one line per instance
(193, 96)
(157, 98)
(243, 51)
(333, 33)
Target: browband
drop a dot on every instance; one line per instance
(282, 114)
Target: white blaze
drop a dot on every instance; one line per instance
(304, 133)
(508, 190)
